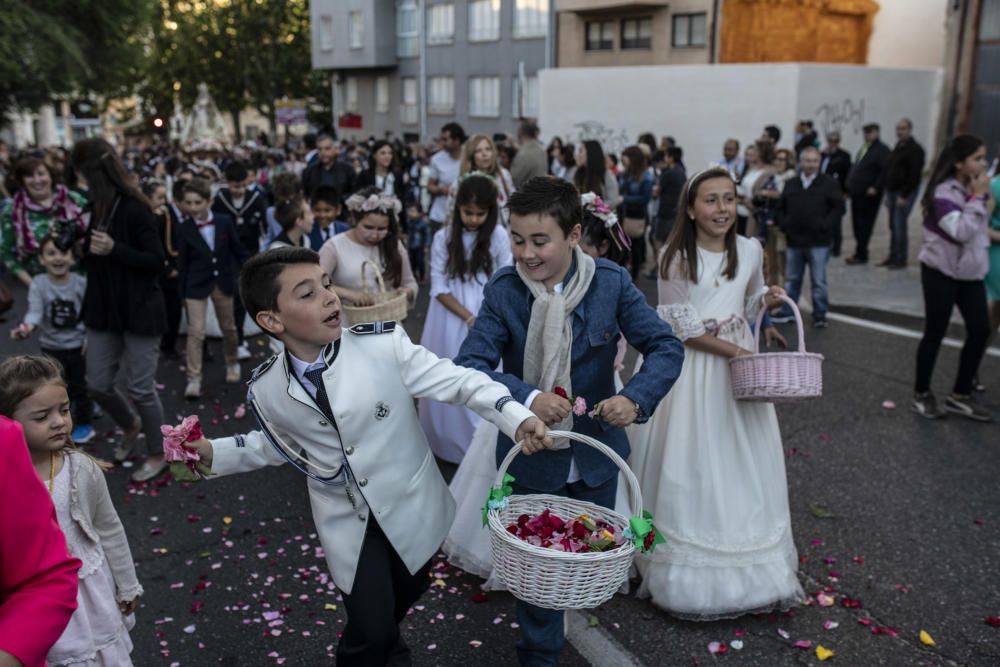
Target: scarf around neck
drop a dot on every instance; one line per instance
(549, 344)
(62, 209)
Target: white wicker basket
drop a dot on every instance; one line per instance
(557, 579)
(777, 376)
(387, 306)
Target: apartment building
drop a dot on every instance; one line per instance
(615, 33)
(406, 67)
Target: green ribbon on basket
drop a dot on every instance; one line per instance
(497, 497)
(643, 533)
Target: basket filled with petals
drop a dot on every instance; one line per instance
(563, 553)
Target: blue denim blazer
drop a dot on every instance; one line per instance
(612, 306)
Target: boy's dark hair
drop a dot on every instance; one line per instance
(414, 203)
(236, 171)
(676, 154)
(177, 190)
(200, 187)
(871, 127)
(259, 285)
(659, 156)
(326, 193)
(22, 376)
(774, 132)
(548, 195)
(287, 211)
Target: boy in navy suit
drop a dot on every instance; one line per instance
(208, 251)
(554, 320)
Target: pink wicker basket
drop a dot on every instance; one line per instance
(777, 376)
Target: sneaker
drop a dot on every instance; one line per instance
(83, 433)
(127, 444)
(233, 374)
(926, 405)
(243, 352)
(193, 390)
(150, 469)
(966, 407)
(820, 324)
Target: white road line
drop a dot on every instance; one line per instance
(596, 644)
(899, 331)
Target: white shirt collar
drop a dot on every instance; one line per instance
(300, 367)
(808, 180)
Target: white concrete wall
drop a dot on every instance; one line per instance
(703, 105)
(909, 33)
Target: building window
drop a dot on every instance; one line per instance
(351, 94)
(689, 30)
(408, 109)
(407, 29)
(525, 97)
(356, 30)
(484, 20)
(600, 36)
(484, 96)
(441, 24)
(531, 18)
(382, 94)
(326, 33)
(441, 94)
(637, 33)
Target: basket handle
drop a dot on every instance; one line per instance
(798, 323)
(376, 272)
(634, 495)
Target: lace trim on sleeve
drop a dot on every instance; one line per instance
(754, 303)
(683, 319)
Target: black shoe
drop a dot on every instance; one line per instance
(896, 265)
(885, 262)
(855, 260)
(820, 324)
(966, 407)
(926, 406)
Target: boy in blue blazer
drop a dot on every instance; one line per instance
(554, 320)
(208, 254)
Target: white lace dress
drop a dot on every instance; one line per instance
(449, 428)
(712, 469)
(97, 634)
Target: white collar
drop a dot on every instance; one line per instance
(300, 367)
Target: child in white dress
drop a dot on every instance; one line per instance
(463, 257)
(712, 469)
(468, 543)
(33, 393)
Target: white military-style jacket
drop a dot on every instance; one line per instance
(375, 458)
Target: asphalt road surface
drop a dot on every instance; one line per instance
(896, 519)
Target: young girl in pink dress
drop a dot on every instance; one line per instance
(33, 393)
(464, 255)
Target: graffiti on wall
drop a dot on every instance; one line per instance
(613, 141)
(845, 117)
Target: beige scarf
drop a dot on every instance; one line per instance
(549, 347)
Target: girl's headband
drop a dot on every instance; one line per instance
(379, 202)
(594, 205)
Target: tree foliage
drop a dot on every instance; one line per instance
(55, 48)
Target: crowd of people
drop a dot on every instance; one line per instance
(532, 256)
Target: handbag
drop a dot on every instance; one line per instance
(634, 227)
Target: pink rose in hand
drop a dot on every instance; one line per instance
(176, 437)
(579, 406)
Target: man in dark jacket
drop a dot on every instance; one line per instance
(902, 182)
(671, 183)
(808, 212)
(836, 162)
(328, 170)
(865, 184)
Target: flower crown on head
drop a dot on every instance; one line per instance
(475, 172)
(380, 202)
(596, 206)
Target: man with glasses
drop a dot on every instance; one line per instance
(836, 162)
